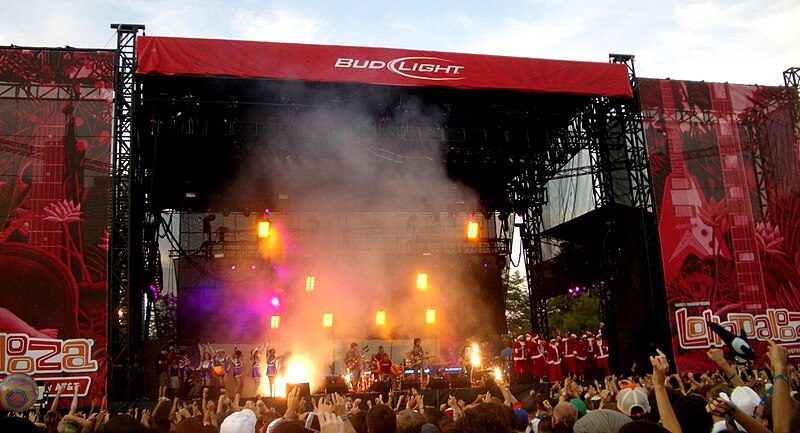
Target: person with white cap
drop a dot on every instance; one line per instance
(243, 421)
(632, 401)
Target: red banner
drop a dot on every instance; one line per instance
(55, 135)
(383, 66)
(730, 238)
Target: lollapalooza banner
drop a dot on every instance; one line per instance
(55, 136)
(726, 177)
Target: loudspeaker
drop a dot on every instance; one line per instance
(438, 383)
(525, 379)
(460, 382)
(338, 388)
(382, 387)
(409, 384)
(305, 389)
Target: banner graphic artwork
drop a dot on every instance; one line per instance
(724, 161)
(55, 137)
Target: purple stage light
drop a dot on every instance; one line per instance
(275, 301)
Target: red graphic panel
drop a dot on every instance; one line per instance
(383, 66)
(724, 161)
(55, 136)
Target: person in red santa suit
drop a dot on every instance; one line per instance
(570, 351)
(530, 350)
(591, 366)
(553, 359)
(520, 358)
(537, 357)
(601, 355)
(580, 357)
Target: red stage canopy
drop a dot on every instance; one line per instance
(383, 66)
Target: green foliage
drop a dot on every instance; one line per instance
(164, 324)
(518, 311)
(573, 313)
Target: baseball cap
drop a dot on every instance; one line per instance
(632, 401)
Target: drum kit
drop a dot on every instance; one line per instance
(412, 368)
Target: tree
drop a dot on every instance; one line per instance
(518, 311)
(573, 313)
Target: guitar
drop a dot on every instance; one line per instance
(749, 275)
(353, 360)
(683, 232)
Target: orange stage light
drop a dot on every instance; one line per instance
(472, 230)
(263, 229)
(380, 317)
(327, 320)
(422, 281)
(430, 317)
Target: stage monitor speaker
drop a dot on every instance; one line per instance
(460, 382)
(409, 384)
(304, 392)
(382, 387)
(525, 379)
(338, 388)
(438, 383)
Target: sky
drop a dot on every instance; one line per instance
(744, 42)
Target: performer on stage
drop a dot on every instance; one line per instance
(385, 367)
(353, 362)
(375, 362)
(507, 355)
(601, 355)
(255, 367)
(536, 354)
(553, 359)
(591, 362)
(416, 357)
(272, 370)
(570, 351)
(237, 367)
(206, 364)
(580, 359)
(466, 359)
(520, 356)
(220, 359)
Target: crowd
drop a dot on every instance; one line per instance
(726, 400)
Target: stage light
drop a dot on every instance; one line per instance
(310, 282)
(327, 320)
(430, 317)
(472, 230)
(275, 322)
(422, 281)
(263, 225)
(380, 318)
(275, 301)
(253, 267)
(233, 267)
(498, 375)
(263, 229)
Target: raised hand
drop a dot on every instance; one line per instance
(660, 368)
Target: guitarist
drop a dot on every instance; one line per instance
(354, 363)
(415, 357)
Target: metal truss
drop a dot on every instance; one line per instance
(124, 299)
(791, 79)
(528, 195)
(621, 173)
(56, 92)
